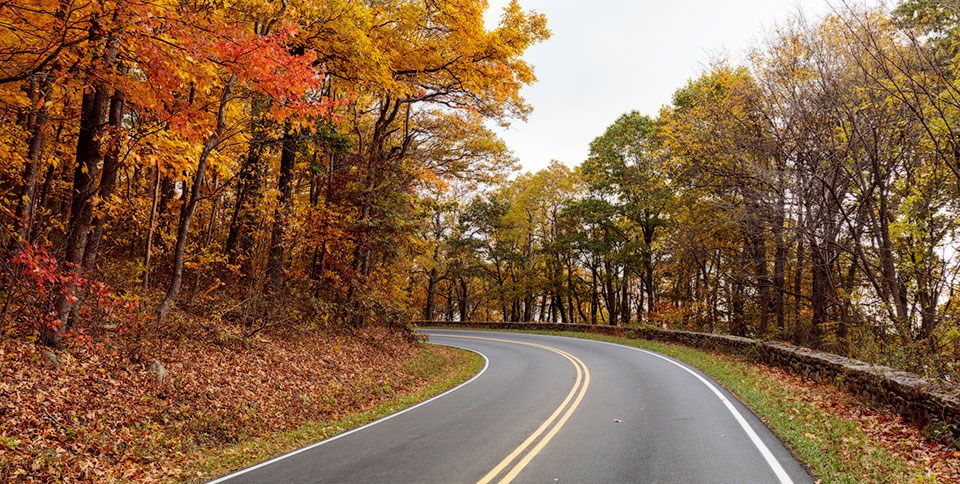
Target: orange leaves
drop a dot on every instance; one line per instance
(181, 56)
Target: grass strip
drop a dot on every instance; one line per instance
(833, 445)
(443, 368)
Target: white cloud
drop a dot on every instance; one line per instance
(607, 57)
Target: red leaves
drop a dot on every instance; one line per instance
(42, 270)
(182, 57)
(43, 277)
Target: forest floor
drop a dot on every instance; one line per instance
(97, 416)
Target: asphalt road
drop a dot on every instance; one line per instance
(553, 410)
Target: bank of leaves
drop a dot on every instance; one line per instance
(102, 418)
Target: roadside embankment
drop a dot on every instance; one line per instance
(199, 407)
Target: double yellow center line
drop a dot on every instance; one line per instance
(549, 428)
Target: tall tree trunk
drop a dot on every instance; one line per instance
(889, 269)
(282, 214)
(757, 244)
(207, 240)
(644, 287)
(428, 308)
(463, 301)
(186, 215)
(449, 302)
(43, 197)
(625, 302)
(819, 294)
(649, 230)
(798, 280)
(249, 184)
(737, 324)
(594, 296)
(573, 297)
(557, 301)
(40, 95)
(148, 252)
(779, 264)
(108, 181)
(528, 306)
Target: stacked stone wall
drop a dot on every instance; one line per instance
(913, 397)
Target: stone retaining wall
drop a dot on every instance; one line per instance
(918, 400)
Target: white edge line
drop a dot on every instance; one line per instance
(486, 363)
(757, 441)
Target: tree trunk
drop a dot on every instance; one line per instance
(758, 252)
(148, 253)
(282, 214)
(648, 233)
(108, 181)
(779, 265)
(528, 306)
(43, 196)
(594, 296)
(558, 300)
(89, 156)
(737, 324)
(248, 185)
(186, 215)
(463, 302)
(819, 295)
(625, 302)
(428, 308)
(798, 281)
(41, 92)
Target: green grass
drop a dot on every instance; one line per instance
(430, 364)
(834, 446)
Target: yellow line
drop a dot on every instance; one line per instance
(526, 443)
(583, 376)
(536, 450)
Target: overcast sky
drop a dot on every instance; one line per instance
(608, 57)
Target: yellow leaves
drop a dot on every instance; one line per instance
(173, 154)
(518, 29)
(713, 117)
(434, 50)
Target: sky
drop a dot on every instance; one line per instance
(609, 57)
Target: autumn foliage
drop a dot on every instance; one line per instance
(189, 151)
(194, 168)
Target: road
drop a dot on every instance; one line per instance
(553, 410)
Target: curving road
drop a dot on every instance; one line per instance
(552, 409)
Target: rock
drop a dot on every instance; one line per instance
(52, 358)
(158, 371)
